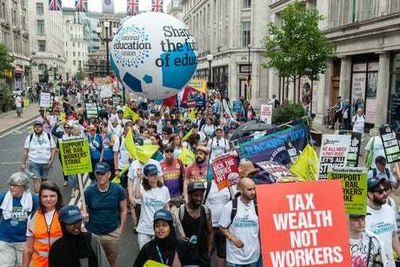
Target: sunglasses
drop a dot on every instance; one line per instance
(381, 191)
(168, 150)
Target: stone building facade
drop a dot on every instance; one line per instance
(47, 42)
(230, 34)
(15, 34)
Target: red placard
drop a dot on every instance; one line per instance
(225, 170)
(303, 224)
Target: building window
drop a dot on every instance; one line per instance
(73, 53)
(40, 27)
(41, 45)
(353, 11)
(42, 68)
(245, 33)
(39, 9)
(246, 3)
(14, 14)
(74, 63)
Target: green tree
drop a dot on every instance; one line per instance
(296, 46)
(5, 61)
(80, 75)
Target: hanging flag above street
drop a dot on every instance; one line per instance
(55, 5)
(157, 5)
(81, 5)
(132, 7)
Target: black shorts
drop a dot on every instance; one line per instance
(220, 243)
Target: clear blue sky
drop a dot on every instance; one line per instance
(119, 5)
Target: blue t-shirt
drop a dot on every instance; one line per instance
(108, 153)
(95, 146)
(17, 233)
(103, 208)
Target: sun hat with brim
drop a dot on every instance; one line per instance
(70, 214)
(164, 215)
(246, 168)
(202, 148)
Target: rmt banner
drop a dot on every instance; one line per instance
(302, 226)
(390, 144)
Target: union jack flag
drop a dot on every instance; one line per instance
(81, 5)
(55, 5)
(157, 5)
(132, 7)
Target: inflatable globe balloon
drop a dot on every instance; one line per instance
(154, 55)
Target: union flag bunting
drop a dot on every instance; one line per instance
(132, 7)
(157, 5)
(55, 5)
(81, 5)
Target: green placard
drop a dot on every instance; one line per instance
(75, 156)
(354, 186)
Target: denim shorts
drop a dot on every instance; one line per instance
(37, 170)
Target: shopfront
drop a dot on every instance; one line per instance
(364, 82)
(394, 95)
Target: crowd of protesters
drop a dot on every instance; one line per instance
(179, 215)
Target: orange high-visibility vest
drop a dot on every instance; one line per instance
(44, 237)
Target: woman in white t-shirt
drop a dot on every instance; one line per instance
(154, 196)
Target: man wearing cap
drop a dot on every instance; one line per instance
(381, 171)
(106, 205)
(195, 219)
(38, 154)
(218, 145)
(16, 205)
(365, 247)
(381, 219)
(76, 248)
(197, 171)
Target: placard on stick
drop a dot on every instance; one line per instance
(225, 170)
(333, 152)
(390, 144)
(301, 226)
(75, 156)
(354, 186)
(45, 100)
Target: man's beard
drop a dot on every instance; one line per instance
(379, 202)
(199, 160)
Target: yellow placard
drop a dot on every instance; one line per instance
(187, 156)
(75, 156)
(128, 112)
(306, 165)
(199, 85)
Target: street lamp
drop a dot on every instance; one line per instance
(104, 36)
(249, 69)
(209, 59)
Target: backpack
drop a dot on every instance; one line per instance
(355, 117)
(208, 188)
(182, 211)
(375, 172)
(225, 147)
(31, 137)
(234, 209)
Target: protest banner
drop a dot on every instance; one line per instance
(272, 147)
(75, 156)
(302, 226)
(91, 110)
(26, 102)
(266, 113)
(45, 100)
(277, 172)
(306, 165)
(237, 106)
(199, 85)
(105, 91)
(226, 171)
(354, 187)
(333, 152)
(390, 144)
(353, 151)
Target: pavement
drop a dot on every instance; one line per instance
(9, 120)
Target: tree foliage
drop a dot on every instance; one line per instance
(297, 47)
(80, 75)
(5, 61)
(286, 113)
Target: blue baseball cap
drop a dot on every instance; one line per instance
(164, 215)
(150, 169)
(102, 167)
(374, 182)
(70, 214)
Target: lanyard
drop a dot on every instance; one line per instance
(161, 257)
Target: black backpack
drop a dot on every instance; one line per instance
(234, 208)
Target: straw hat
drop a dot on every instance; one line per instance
(246, 168)
(202, 148)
